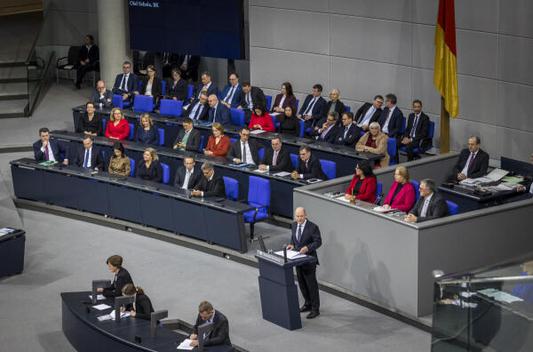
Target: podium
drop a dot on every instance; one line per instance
(12, 253)
(279, 296)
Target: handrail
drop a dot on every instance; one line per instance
(42, 81)
(486, 279)
(37, 36)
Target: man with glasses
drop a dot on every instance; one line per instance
(473, 162)
(429, 206)
(102, 96)
(125, 82)
(308, 167)
(277, 158)
(368, 113)
(231, 95)
(349, 133)
(328, 131)
(244, 150)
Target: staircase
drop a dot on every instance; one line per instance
(20, 69)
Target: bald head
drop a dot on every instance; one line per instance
(213, 100)
(300, 215)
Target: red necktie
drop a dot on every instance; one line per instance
(46, 155)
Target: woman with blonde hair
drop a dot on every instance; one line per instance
(374, 141)
(147, 132)
(218, 144)
(117, 126)
(149, 167)
(402, 193)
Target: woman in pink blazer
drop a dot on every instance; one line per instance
(402, 194)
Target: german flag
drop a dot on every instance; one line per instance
(445, 75)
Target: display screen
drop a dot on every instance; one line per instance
(211, 28)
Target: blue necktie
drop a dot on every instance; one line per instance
(85, 159)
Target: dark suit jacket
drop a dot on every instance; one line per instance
(219, 334)
(236, 95)
(258, 98)
(121, 279)
(235, 151)
(97, 161)
(93, 55)
(422, 127)
(107, 100)
(289, 100)
(437, 208)
(153, 173)
(395, 122)
(179, 91)
(213, 188)
(283, 163)
(93, 126)
(143, 307)
(479, 165)
(57, 150)
(194, 180)
(353, 135)
(310, 238)
(361, 112)
(193, 142)
(156, 87)
(330, 136)
(312, 170)
(318, 110)
(211, 90)
(203, 114)
(132, 84)
(222, 115)
(339, 109)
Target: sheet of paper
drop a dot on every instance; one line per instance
(282, 173)
(98, 297)
(497, 174)
(343, 199)
(291, 254)
(104, 317)
(261, 171)
(185, 345)
(101, 306)
(257, 132)
(380, 209)
(122, 315)
(6, 230)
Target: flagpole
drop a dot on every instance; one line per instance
(444, 128)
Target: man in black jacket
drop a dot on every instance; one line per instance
(430, 205)
(47, 150)
(313, 108)
(368, 113)
(473, 161)
(188, 138)
(198, 110)
(219, 331)
(88, 59)
(329, 130)
(88, 156)
(210, 185)
(349, 133)
(187, 176)
(102, 95)
(306, 239)
(308, 167)
(416, 133)
(277, 158)
(244, 150)
(125, 82)
(250, 97)
(391, 118)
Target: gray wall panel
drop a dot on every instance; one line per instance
(515, 55)
(515, 17)
(399, 10)
(471, 45)
(479, 15)
(309, 5)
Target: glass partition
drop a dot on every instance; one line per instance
(485, 310)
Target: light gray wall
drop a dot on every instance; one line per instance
(366, 47)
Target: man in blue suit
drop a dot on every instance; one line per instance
(218, 112)
(207, 85)
(391, 118)
(231, 95)
(47, 150)
(313, 108)
(125, 82)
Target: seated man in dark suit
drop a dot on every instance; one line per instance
(429, 206)
(368, 113)
(210, 185)
(198, 110)
(218, 112)
(244, 150)
(47, 150)
(102, 95)
(188, 138)
(473, 161)
(231, 95)
(88, 156)
(416, 133)
(187, 176)
(188, 65)
(277, 158)
(308, 167)
(328, 131)
(313, 108)
(250, 97)
(391, 118)
(206, 86)
(126, 82)
(88, 59)
(349, 133)
(219, 332)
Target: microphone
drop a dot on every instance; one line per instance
(285, 254)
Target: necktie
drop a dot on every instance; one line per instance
(86, 158)
(249, 101)
(367, 116)
(346, 131)
(299, 233)
(198, 109)
(310, 107)
(424, 211)
(46, 153)
(244, 153)
(124, 83)
(186, 181)
(214, 114)
(324, 133)
(386, 124)
(275, 158)
(413, 129)
(229, 96)
(472, 156)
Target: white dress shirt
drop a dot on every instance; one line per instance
(385, 128)
(51, 156)
(425, 207)
(245, 150)
(369, 113)
(188, 174)
(465, 169)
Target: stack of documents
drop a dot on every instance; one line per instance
(185, 345)
(291, 254)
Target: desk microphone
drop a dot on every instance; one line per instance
(285, 254)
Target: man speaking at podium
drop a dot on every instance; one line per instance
(306, 239)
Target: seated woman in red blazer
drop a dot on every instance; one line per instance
(363, 185)
(218, 144)
(117, 126)
(261, 120)
(402, 194)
